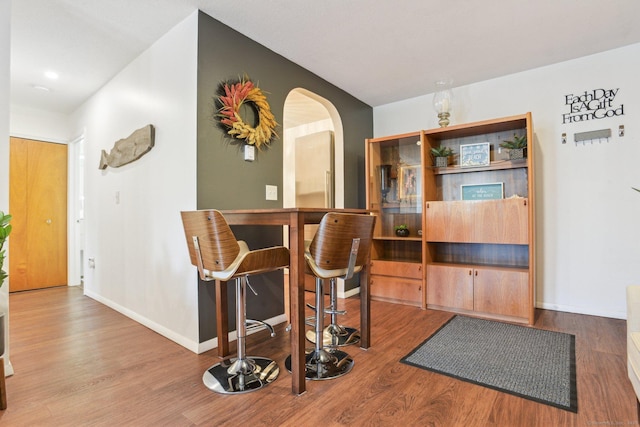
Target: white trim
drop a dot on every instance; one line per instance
(52, 140)
(579, 310)
(349, 293)
(213, 343)
(74, 233)
(187, 343)
(162, 330)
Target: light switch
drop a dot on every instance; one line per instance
(249, 153)
(272, 192)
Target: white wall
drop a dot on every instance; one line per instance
(5, 56)
(142, 267)
(588, 233)
(40, 125)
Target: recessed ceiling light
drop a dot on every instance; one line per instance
(52, 75)
(40, 88)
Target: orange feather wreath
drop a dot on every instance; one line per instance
(234, 94)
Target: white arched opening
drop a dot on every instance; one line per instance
(307, 116)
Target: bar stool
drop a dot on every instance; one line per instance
(335, 334)
(217, 253)
(339, 248)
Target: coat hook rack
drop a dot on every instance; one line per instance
(591, 135)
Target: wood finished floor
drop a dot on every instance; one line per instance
(79, 363)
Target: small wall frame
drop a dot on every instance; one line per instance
(490, 191)
(409, 182)
(475, 155)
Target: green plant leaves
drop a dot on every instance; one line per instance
(518, 142)
(5, 230)
(441, 151)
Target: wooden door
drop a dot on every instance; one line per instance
(38, 204)
(501, 221)
(450, 286)
(502, 291)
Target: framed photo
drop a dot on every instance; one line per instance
(474, 155)
(409, 182)
(492, 191)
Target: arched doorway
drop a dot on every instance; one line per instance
(307, 114)
(311, 120)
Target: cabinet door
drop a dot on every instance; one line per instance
(501, 291)
(501, 221)
(450, 286)
(487, 221)
(448, 222)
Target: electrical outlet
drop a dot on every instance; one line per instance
(271, 192)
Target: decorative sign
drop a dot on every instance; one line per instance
(129, 149)
(491, 191)
(409, 182)
(594, 104)
(473, 155)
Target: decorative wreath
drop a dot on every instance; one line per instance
(232, 95)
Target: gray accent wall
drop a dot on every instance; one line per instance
(226, 181)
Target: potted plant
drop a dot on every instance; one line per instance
(401, 230)
(441, 156)
(517, 148)
(5, 230)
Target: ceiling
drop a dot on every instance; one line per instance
(380, 52)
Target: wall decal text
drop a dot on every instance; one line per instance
(593, 104)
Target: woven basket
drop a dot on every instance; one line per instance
(517, 153)
(441, 162)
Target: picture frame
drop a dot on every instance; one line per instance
(475, 155)
(409, 182)
(488, 191)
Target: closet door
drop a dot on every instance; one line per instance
(38, 205)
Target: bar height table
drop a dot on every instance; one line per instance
(294, 219)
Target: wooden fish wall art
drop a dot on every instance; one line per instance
(129, 149)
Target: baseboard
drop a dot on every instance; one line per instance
(195, 347)
(167, 333)
(580, 310)
(349, 293)
(233, 335)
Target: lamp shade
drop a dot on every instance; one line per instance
(443, 98)
(443, 101)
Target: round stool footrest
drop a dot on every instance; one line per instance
(350, 336)
(339, 364)
(217, 378)
(331, 311)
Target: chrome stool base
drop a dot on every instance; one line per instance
(222, 378)
(336, 336)
(331, 364)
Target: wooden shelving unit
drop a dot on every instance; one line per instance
(479, 254)
(474, 257)
(397, 273)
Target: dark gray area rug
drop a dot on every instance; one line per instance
(532, 363)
